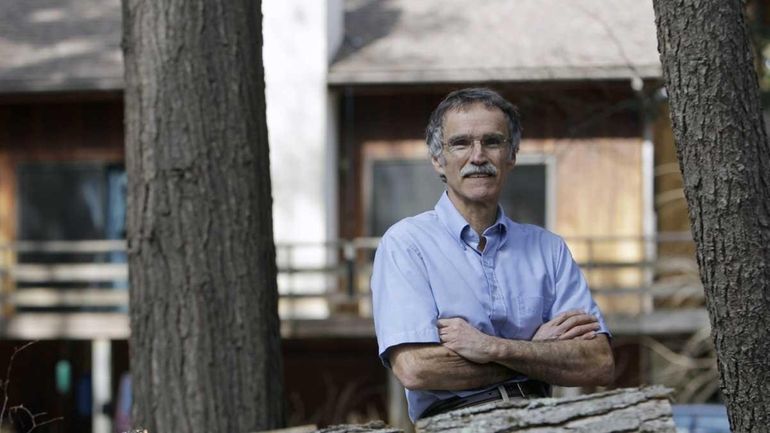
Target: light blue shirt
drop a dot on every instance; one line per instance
(428, 267)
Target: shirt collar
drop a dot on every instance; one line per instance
(456, 223)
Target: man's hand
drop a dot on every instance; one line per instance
(569, 325)
(470, 343)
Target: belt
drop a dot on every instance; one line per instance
(509, 391)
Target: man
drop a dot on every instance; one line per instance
(470, 306)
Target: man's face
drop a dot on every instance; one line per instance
(465, 185)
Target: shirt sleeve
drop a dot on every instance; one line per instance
(404, 308)
(571, 289)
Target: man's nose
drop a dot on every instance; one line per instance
(478, 153)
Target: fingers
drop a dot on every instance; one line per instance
(560, 318)
(580, 331)
(567, 325)
(447, 326)
(578, 320)
(443, 323)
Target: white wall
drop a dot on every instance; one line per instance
(335, 32)
(302, 148)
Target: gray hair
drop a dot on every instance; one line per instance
(463, 98)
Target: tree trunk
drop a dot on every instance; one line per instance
(645, 410)
(205, 349)
(725, 160)
(625, 410)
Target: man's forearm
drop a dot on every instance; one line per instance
(574, 362)
(433, 366)
(565, 363)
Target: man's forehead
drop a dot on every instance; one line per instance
(476, 114)
(469, 106)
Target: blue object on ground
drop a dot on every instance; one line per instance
(701, 418)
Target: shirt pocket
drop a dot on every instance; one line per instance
(530, 315)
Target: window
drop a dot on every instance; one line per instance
(407, 187)
(70, 202)
(401, 188)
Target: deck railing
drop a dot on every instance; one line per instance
(631, 274)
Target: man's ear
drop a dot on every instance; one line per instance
(438, 164)
(511, 162)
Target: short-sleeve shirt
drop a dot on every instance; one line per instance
(428, 267)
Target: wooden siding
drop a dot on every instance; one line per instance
(599, 194)
(66, 127)
(69, 130)
(670, 204)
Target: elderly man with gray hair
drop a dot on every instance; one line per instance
(470, 306)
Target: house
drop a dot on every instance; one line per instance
(350, 85)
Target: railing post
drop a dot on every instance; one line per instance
(591, 270)
(7, 286)
(648, 273)
(349, 253)
(289, 251)
(101, 373)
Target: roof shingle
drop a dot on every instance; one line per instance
(60, 45)
(405, 41)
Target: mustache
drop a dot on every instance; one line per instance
(471, 169)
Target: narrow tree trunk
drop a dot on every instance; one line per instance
(725, 160)
(205, 350)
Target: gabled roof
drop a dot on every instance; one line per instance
(60, 45)
(432, 41)
(75, 44)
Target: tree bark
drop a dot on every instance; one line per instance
(205, 349)
(725, 160)
(626, 410)
(371, 427)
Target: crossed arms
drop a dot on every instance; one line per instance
(565, 351)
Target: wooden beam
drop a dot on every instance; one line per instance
(70, 272)
(50, 326)
(53, 298)
(342, 327)
(72, 247)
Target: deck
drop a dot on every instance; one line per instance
(324, 289)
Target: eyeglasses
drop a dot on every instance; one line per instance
(464, 143)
